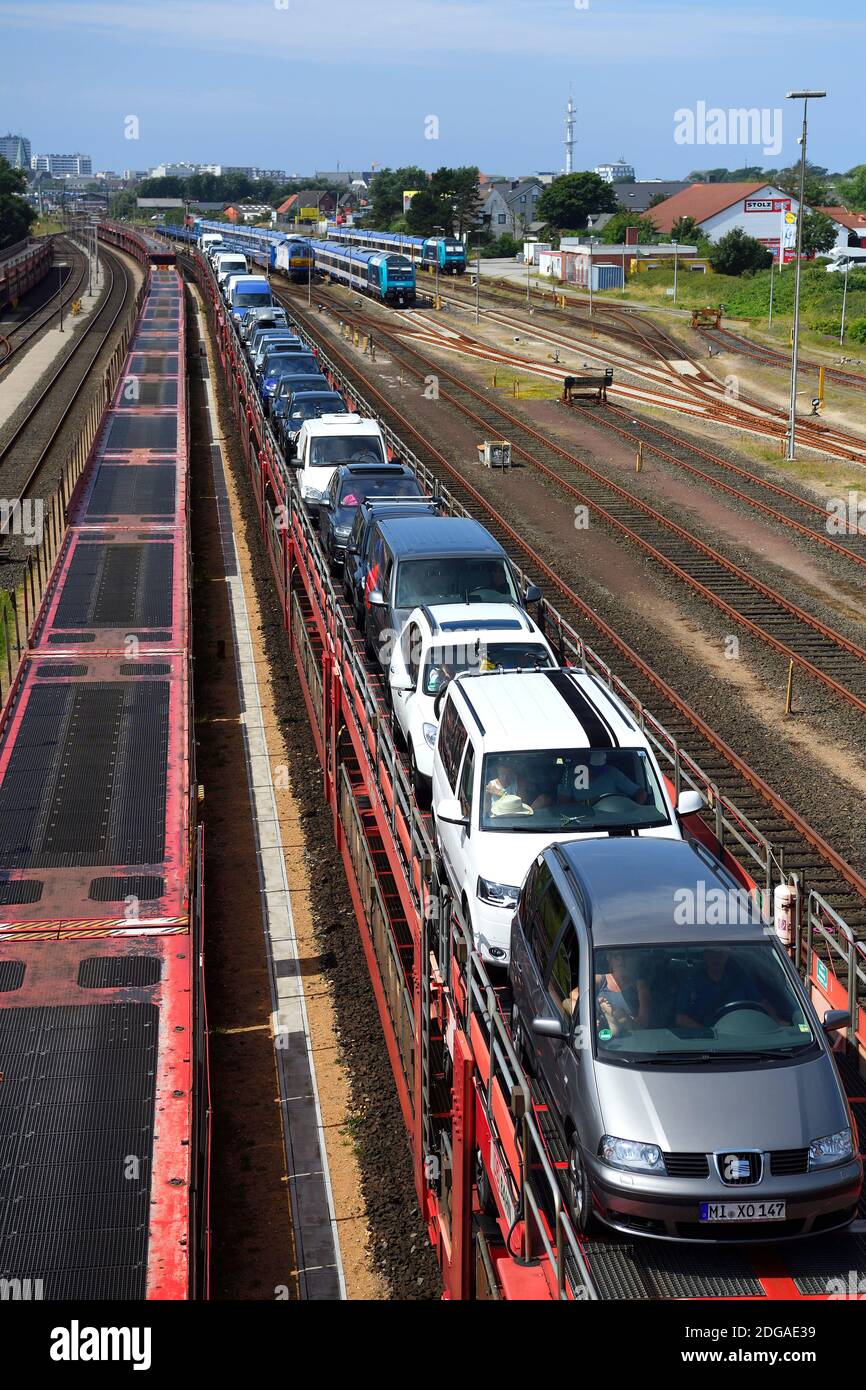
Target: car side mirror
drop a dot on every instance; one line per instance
(450, 811)
(326, 504)
(375, 599)
(689, 802)
(550, 1028)
(532, 595)
(402, 681)
(835, 1020)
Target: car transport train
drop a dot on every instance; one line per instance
(514, 1172)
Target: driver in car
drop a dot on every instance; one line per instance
(705, 994)
(600, 778)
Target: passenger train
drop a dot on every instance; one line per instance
(265, 246)
(427, 252)
(388, 277)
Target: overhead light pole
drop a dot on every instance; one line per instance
(676, 267)
(478, 277)
(844, 305)
(805, 96)
(437, 229)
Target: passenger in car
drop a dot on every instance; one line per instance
(601, 778)
(720, 981)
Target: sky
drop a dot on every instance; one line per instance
(320, 84)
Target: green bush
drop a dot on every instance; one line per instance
(831, 327)
(856, 331)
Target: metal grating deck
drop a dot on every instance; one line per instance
(86, 781)
(114, 586)
(141, 431)
(133, 490)
(77, 1111)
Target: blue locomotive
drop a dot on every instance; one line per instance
(426, 252)
(387, 277)
(264, 246)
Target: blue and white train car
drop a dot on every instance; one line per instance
(426, 252)
(389, 278)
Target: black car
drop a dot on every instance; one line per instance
(303, 403)
(352, 484)
(278, 364)
(304, 380)
(356, 561)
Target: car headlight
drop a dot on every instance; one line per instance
(833, 1148)
(342, 532)
(430, 731)
(312, 494)
(628, 1153)
(497, 894)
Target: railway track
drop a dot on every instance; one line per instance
(744, 413)
(799, 846)
(825, 654)
(787, 508)
(24, 452)
(16, 335)
(728, 341)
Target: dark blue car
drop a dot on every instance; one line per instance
(351, 485)
(297, 401)
(279, 364)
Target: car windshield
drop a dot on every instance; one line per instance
(286, 363)
(445, 662)
(323, 405)
(672, 1004)
(302, 364)
(354, 491)
(581, 790)
(459, 579)
(252, 299)
(345, 448)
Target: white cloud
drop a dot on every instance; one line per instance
(418, 32)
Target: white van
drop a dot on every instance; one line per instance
(526, 759)
(228, 263)
(208, 240)
(325, 443)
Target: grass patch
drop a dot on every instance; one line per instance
(525, 388)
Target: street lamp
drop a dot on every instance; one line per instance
(844, 306)
(805, 96)
(676, 247)
(437, 229)
(478, 277)
(591, 244)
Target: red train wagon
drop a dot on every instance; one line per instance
(104, 1107)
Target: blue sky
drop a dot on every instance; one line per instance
(305, 84)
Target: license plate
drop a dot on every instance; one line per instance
(742, 1211)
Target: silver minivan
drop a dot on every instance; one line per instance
(691, 1081)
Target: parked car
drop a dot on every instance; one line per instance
(325, 443)
(350, 485)
(431, 560)
(290, 408)
(691, 1080)
(523, 759)
(245, 292)
(271, 316)
(272, 340)
(278, 363)
(445, 640)
(359, 547)
(229, 263)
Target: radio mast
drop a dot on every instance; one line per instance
(569, 136)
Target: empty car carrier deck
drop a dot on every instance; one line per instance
(103, 1103)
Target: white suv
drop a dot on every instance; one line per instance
(524, 759)
(445, 640)
(329, 440)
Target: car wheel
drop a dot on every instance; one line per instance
(486, 1200)
(579, 1193)
(420, 784)
(521, 1045)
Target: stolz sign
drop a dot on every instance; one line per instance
(767, 204)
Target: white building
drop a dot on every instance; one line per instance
(615, 173)
(62, 166)
(16, 150)
(754, 208)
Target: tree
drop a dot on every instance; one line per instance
(685, 229)
(458, 192)
(852, 188)
(819, 233)
(386, 192)
(614, 231)
(569, 200)
(425, 213)
(817, 191)
(16, 215)
(738, 254)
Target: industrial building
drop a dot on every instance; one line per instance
(607, 267)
